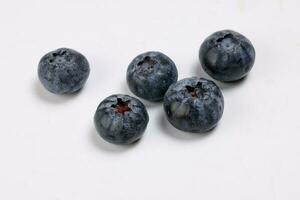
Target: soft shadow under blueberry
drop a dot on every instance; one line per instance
(49, 97)
(223, 85)
(102, 145)
(177, 134)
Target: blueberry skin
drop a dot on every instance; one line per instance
(121, 119)
(150, 74)
(194, 104)
(63, 71)
(227, 55)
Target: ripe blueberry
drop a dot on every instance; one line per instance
(227, 55)
(194, 104)
(121, 119)
(150, 74)
(63, 71)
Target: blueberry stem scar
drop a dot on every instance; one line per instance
(192, 91)
(229, 35)
(147, 61)
(121, 106)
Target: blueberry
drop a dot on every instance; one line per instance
(227, 55)
(63, 71)
(194, 104)
(150, 74)
(121, 119)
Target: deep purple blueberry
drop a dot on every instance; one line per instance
(150, 74)
(63, 71)
(194, 104)
(227, 55)
(121, 119)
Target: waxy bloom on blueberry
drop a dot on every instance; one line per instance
(121, 119)
(194, 104)
(150, 74)
(227, 55)
(63, 71)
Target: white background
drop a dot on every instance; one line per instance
(49, 148)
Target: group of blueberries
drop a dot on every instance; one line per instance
(192, 104)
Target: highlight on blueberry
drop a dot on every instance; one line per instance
(227, 55)
(121, 119)
(194, 104)
(150, 74)
(63, 71)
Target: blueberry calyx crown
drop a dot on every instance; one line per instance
(59, 53)
(55, 54)
(228, 35)
(121, 106)
(195, 91)
(147, 62)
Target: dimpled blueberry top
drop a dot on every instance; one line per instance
(194, 104)
(121, 119)
(227, 55)
(150, 74)
(63, 71)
